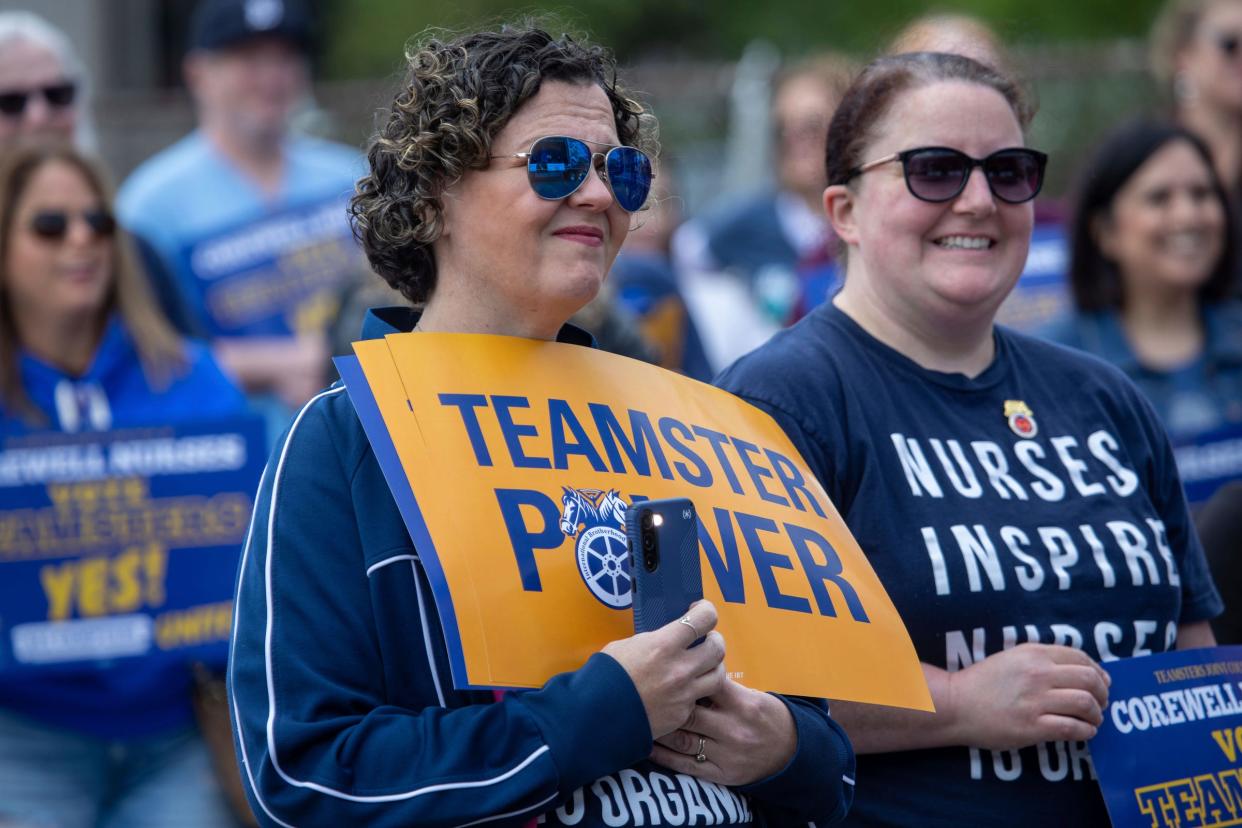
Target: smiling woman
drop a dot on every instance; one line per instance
(83, 348)
(500, 189)
(1003, 488)
(1153, 263)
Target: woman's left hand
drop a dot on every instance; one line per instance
(743, 736)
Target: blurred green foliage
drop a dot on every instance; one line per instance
(365, 37)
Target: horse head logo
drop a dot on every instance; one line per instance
(596, 518)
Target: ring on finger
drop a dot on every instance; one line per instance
(685, 619)
(701, 756)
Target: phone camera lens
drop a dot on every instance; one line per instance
(647, 520)
(648, 541)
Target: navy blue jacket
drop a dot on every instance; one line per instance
(345, 712)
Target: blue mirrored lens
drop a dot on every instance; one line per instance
(557, 166)
(629, 173)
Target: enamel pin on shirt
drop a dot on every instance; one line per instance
(1021, 418)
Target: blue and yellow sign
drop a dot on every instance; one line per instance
(513, 462)
(279, 275)
(123, 544)
(1208, 461)
(1169, 752)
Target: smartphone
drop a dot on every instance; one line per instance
(663, 540)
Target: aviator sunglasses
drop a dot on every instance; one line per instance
(939, 174)
(558, 165)
(53, 225)
(59, 95)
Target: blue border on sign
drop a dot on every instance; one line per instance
(363, 399)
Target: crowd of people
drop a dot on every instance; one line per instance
(856, 302)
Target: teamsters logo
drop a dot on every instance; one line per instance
(597, 519)
(1021, 418)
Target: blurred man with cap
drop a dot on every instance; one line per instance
(252, 216)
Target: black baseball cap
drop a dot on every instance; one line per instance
(219, 24)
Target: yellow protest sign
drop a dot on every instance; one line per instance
(513, 461)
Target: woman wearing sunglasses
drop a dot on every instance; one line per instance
(1009, 493)
(500, 189)
(83, 348)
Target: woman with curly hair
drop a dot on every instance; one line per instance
(500, 189)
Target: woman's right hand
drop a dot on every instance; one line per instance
(1029, 694)
(669, 675)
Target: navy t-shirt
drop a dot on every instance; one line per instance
(1037, 502)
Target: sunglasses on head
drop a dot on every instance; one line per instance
(58, 95)
(557, 166)
(53, 225)
(939, 174)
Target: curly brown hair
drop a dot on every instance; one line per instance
(457, 95)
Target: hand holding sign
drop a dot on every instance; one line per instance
(1032, 693)
(671, 676)
(746, 736)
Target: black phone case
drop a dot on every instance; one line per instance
(677, 582)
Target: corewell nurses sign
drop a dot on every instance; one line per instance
(513, 462)
(123, 544)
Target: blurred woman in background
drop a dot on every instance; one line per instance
(1153, 254)
(1197, 55)
(84, 348)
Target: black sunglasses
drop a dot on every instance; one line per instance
(53, 225)
(939, 174)
(58, 95)
(557, 166)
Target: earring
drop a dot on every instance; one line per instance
(1183, 88)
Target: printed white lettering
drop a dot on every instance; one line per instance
(1006, 772)
(937, 560)
(1030, 574)
(1051, 772)
(966, 483)
(958, 655)
(1080, 757)
(694, 801)
(1097, 552)
(1066, 636)
(914, 464)
(977, 549)
(996, 467)
(1134, 548)
(638, 797)
(1142, 629)
(1162, 544)
(1106, 635)
(1077, 469)
(1062, 553)
(672, 807)
(611, 803)
(1102, 446)
(571, 812)
(1049, 487)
